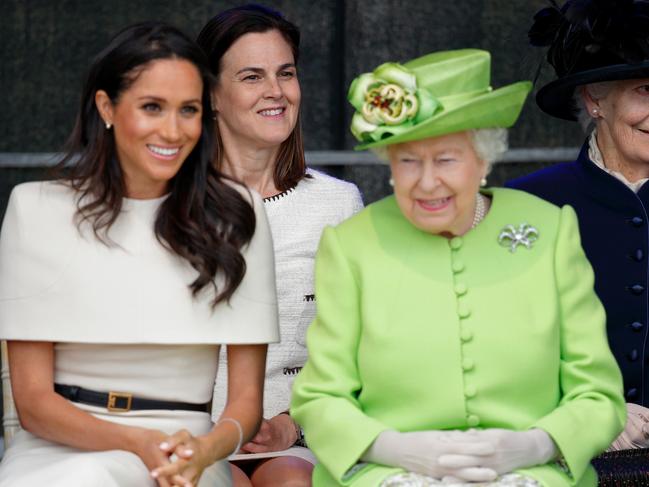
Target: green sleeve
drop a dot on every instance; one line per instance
(591, 412)
(325, 394)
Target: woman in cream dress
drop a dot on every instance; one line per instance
(119, 282)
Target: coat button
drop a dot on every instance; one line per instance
(468, 364)
(457, 266)
(466, 335)
(638, 255)
(455, 243)
(473, 420)
(463, 311)
(470, 391)
(637, 326)
(460, 289)
(632, 356)
(637, 289)
(637, 221)
(632, 393)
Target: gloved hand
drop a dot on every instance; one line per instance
(512, 449)
(636, 430)
(419, 452)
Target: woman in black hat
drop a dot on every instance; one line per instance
(600, 52)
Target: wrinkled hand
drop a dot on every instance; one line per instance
(636, 430)
(192, 456)
(420, 452)
(512, 449)
(277, 433)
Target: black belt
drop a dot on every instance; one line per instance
(121, 401)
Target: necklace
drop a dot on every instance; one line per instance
(480, 210)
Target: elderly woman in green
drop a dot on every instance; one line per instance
(458, 337)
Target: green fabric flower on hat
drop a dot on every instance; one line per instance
(388, 102)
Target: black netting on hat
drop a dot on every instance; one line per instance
(589, 34)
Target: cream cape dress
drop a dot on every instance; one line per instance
(122, 319)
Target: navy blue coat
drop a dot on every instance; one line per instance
(613, 223)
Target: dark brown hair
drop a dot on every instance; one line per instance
(204, 219)
(216, 38)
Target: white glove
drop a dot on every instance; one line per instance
(636, 430)
(419, 451)
(512, 449)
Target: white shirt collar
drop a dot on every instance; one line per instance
(595, 155)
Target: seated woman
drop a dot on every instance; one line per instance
(606, 89)
(458, 336)
(119, 281)
(253, 52)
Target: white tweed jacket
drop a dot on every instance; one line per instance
(297, 218)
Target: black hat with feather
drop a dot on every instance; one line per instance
(590, 41)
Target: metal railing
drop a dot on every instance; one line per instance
(318, 158)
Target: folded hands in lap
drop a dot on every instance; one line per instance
(186, 458)
(181, 458)
(420, 452)
(474, 455)
(511, 450)
(636, 430)
(275, 434)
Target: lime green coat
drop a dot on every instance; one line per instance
(417, 332)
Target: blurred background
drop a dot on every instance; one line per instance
(46, 47)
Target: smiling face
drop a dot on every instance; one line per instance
(436, 181)
(156, 123)
(257, 97)
(623, 126)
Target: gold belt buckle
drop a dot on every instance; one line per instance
(113, 397)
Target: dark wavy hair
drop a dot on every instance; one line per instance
(216, 38)
(204, 220)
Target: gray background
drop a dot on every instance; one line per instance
(46, 45)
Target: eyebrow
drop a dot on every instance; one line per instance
(163, 100)
(407, 154)
(452, 150)
(261, 70)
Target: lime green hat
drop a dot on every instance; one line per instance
(437, 94)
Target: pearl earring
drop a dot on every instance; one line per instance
(391, 182)
(483, 182)
(595, 112)
(108, 125)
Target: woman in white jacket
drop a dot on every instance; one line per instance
(253, 52)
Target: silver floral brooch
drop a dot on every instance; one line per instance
(512, 237)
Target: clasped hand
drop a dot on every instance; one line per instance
(636, 430)
(275, 434)
(188, 455)
(511, 450)
(474, 455)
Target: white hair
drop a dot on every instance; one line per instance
(489, 145)
(381, 153)
(597, 91)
